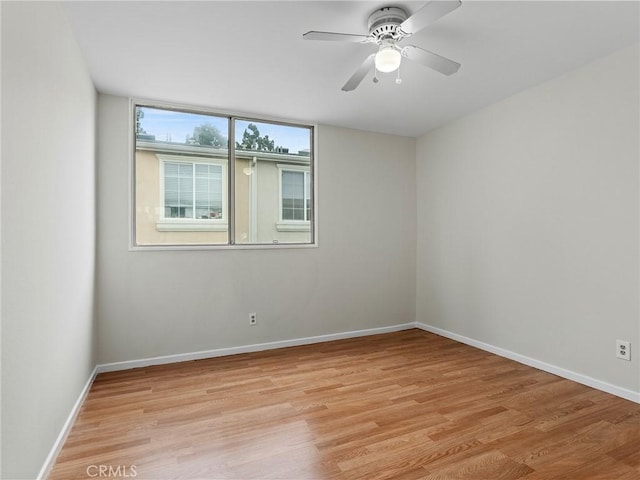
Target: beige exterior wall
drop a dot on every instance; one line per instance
(149, 210)
(268, 206)
(268, 209)
(242, 203)
(257, 203)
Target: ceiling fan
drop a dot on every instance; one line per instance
(388, 26)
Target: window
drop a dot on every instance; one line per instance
(295, 198)
(193, 195)
(203, 179)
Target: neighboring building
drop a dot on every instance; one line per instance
(182, 195)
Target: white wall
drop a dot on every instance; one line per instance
(48, 231)
(528, 222)
(170, 302)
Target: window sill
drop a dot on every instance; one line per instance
(293, 226)
(191, 226)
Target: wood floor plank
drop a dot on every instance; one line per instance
(407, 405)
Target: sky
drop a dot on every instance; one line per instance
(168, 125)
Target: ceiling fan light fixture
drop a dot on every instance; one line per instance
(388, 27)
(387, 59)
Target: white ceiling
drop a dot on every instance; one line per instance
(249, 57)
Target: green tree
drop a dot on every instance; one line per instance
(249, 138)
(265, 144)
(208, 135)
(139, 117)
(252, 140)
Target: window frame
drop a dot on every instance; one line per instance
(229, 185)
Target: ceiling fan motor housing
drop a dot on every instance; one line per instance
(385, 23)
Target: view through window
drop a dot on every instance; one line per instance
(203, 179)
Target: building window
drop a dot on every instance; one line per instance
(294, 198)
(202, 179)
(193, 195)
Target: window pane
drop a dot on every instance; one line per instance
(293, 193)
(178, 189)
(208, 191)
(271, 161)
(292, 185)
(173, 127)
(181, 162)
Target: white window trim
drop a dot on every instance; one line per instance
(291, 225)
(192, 224)
(186, 225)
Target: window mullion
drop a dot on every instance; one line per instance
(231, 189)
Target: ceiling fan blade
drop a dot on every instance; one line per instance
(430, 59)
(359, 74)
(335, 37)
(428, 14)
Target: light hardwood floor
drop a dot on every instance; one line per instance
(406, 405)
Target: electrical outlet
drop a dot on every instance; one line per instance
(253, 319)
(623, 349)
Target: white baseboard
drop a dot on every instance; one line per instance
(220, 352)
(532, 362)
(66, 428)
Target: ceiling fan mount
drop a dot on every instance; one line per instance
(388, 26)
(385, 23)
